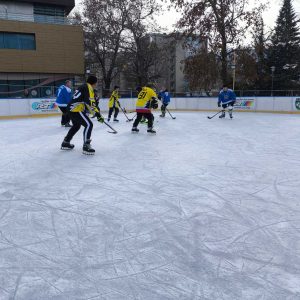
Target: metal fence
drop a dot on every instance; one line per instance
(39, 91)
(241, 93)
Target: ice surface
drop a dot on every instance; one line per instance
(206, 209)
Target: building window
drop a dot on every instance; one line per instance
(49, 10)
(19, 41)
(49, 14)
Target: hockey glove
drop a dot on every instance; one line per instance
(219, 104)
(154, 103)
(99, 118)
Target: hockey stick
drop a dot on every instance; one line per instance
(132, 118)
(124, 112)
(170, 114)
(113, 130)
(214, 115)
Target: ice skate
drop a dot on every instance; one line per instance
(150, 130)
(66, 145)
(135, 130)
(222, 115)
(87, 149)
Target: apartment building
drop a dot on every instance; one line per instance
(39, 47)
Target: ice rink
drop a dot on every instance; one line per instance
(206, 209)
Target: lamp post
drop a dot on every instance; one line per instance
(233, 77)
(87, 73)
(273, 70)
(233, 67)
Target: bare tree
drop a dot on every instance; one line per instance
(104, 22)
(246, 68)
(116, 37)
(141, 50)
(224, 23)
(201, 71)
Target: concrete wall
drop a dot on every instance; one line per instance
(25, 107)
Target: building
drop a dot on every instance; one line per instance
(177, 50)
(167, 69)
(39, 47)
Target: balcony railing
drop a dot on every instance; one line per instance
(4, 15)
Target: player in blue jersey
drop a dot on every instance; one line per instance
(165, 98)
(226, 99)
(64, 96)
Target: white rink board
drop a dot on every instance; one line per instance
(15, 107)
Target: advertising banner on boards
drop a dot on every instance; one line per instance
(43, 106)
(296, 104)
(245, 104)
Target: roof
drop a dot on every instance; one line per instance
(68, 4)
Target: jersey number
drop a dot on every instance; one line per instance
(142, 95)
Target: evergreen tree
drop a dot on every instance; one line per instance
(284, 52)
(260, 48)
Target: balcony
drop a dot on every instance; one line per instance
(36, 18)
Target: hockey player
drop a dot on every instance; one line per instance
(147, 99)
(64, 96)
(114, 104)
(165, 98)
(227, 98)
(83, 99)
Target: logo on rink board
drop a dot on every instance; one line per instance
(245, 104)
(297, 103)
(43, 105)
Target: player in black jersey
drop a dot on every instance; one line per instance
(83, 101)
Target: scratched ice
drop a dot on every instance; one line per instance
(206, 209)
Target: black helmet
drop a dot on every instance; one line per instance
(92, 79)
(138, 88)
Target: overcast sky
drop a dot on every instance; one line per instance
(169, 17)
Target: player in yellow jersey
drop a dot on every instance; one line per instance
(147, 100)
(83, 101)
(114, 104)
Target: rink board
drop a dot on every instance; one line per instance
(31, 107)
